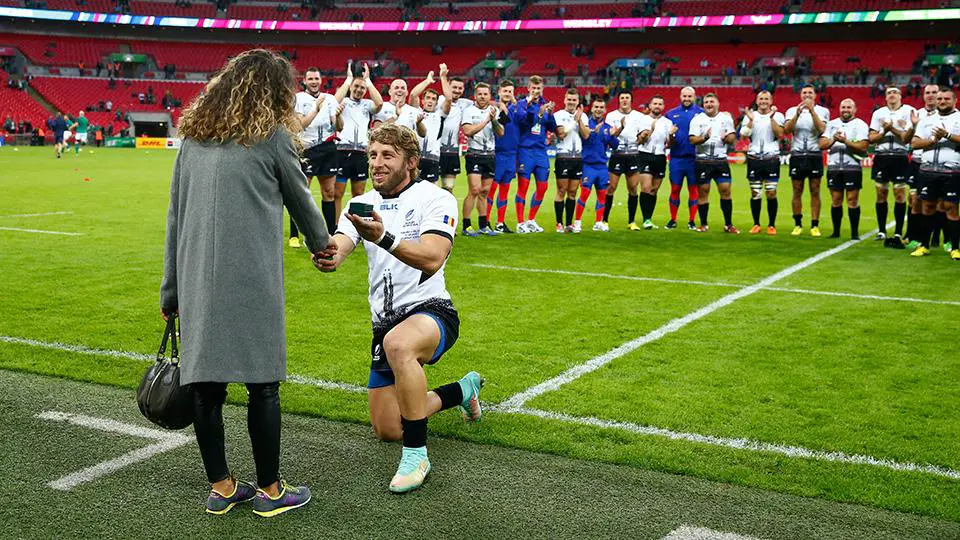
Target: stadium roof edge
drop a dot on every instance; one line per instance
(639, 23)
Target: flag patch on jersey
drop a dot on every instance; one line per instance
(447, 220)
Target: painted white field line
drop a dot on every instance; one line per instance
(687, 532)
(37, 215)
(38, 231)
(80, 349)
(738, 443)
(596, 363)
(721, 284)
(163, 442)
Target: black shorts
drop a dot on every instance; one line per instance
(653, 164)
(441, 311)
(914, 176)
(844, 180)
(353, 166)
(568, 168)
(485, 166)
(624, 164)
(449, 164)
(705, 171)
(938, 186)
(429, 170)
(763, 170)
(804, 166)
(321, 160)
(890, 168)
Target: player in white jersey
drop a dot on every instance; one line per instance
(930, 92)
(713, 133)
(451, 106)
(939, 138)
(356, 113)
(408, 239)
(319, 115)
(431, 121)
(568, 166)
(806, 122)
(397, 109)
(846, 140)
(481, 124)
(764, 128)
(625, 124)
(891, 130)
(654, 142)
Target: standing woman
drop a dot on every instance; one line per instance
(223, 267)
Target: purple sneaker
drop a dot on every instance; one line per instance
(290, 497)
(218, 504)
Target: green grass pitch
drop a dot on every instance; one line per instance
(864, 371)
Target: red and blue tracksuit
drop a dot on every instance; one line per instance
(595, 166)
(682, 160)
(506, 150)
(533, 123)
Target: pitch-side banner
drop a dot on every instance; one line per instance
(491, 26)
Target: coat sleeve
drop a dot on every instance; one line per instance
(168, 287)
(296, 195)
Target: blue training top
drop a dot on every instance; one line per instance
(59, 125)
(595, 146)
(681, 117)
(509, 143)
(533, 127)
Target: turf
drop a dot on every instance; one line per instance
(825, 373)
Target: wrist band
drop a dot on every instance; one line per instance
(388, 241)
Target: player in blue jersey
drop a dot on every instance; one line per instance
(595, 133)
(535, 120)
(507, 146)
(682, 157)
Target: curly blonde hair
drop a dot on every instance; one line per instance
(402, 138)
(245, 101)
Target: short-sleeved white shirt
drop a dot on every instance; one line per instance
(355, 134)
(422, 208)
(570, 146)
(483, 142)
(763, 141)
(901, 120)
(430, 145)
(450, 138)
(659, 135)
(712, 149)
(322, 127)
(632, 128)
(805, 138)
(943, 155)
(921, 114)
(839, 157)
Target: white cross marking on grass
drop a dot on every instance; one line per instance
(721, 284)
(740, 444)
(163, 442)
(574, 373)
(36, 215)
(687, 532)
(38, 231)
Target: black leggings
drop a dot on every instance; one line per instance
(263, 423)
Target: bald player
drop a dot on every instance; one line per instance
(846, 140)
(683, 156)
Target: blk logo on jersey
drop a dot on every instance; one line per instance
(388, 206)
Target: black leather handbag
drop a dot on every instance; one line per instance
(160, 397)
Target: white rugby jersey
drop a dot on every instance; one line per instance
(421, 208)
(901, 119)
(628, 136)
(921, 114)
(450, 138)
(763, 141)
(482, 142)
(570, 146)
(804, 136)
(355, 134)
(406, 116)
(839, 157)
(712, 149)
(322, 127)
(943, 155)
(430, 145)
(659, 135)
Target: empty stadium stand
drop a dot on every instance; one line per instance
(18, 105)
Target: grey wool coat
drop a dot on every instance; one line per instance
(223, 261)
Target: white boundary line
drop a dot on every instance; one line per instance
(37, 215)
(739, 444)
(687, 532)
(163, 442)
(574, 373)
(720, 284)
(38, 231)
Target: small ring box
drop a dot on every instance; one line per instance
(362, 210)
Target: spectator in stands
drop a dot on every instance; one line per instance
(9, 125)
(108, 106)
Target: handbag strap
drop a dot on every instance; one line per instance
(169, 335)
